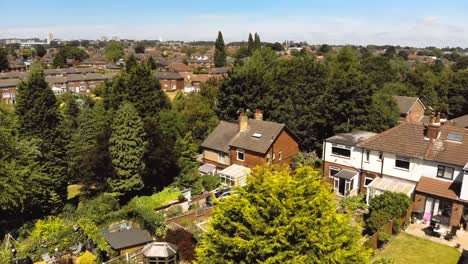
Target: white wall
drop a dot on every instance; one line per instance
(353, 161)
(375, 165)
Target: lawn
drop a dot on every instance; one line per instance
(405, 248)
(73, 190)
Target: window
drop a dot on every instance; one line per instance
(274, 156)
(333, 171)
(445, 172)
(380, 155)
(402, 163)
(340, 150)
(221, 157)
(455, 137)
(367, 155)
(367, 181)
(268, 158)
(351, 185)
(280, 155)
(240, 154)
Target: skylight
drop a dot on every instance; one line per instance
(455, 137)
(257, 135)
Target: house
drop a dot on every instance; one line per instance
(178, 67)
(235, 148)
(126, 239)
(170, 81)
(429, 163)
(461, 121)
(411, 108)
(8, 90)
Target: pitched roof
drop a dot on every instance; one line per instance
(126, 238)
(6, 83)
(267, 130)
(179, 67)
(168, 76)
(408, 140)
(351, 138)
(221, 136)
(219, 70)
(405, 103)
(461, 121)
(160, 249)
(445, 189)
(404, 139)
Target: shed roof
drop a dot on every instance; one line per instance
(126, 238)
(346, 174)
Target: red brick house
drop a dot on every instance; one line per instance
(239, 147)
(170, 81)
(411, 109)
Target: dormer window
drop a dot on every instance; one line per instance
(240, 155)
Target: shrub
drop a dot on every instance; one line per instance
(100, 210)
(385, 207)
(210, 182)
(384, 237)
(376, 220)
(86, 258)
(396, 226)
(353, 203)
(174, 211)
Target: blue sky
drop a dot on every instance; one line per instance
(414, 23)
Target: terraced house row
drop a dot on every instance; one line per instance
(76, 80)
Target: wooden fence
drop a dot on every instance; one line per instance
(373, 241)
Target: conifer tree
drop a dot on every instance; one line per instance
(281, 217)
(39, 118)
(4, 65)
(251, 44)
(257, 42)
(220, 51)
(151, 63)
(189, 177)
(127, 147)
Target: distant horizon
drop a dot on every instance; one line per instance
(335, 22)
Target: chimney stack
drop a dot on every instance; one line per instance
(432, 130)
(258, 114)
(243, 122)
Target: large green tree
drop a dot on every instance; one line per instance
(39, 118)
(281, 217)
(127, 147)
(220, 51)
(189, 177)
(4, 65)
(114, 51)
(257, 42)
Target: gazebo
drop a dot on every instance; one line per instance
(160, 253)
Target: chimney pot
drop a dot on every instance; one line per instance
(243, 122)
(258, 114)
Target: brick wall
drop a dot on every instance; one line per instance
(457, 211)
(419, 202)
(415, 114)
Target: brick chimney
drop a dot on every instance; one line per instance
(258, 114)
(432, 129)
(243, 122)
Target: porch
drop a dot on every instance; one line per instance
(380, 185)
(234, 175)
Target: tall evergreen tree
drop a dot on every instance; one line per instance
(281, 217)
(250, 44)
(39, 118)
(189, 176)
(257, 42)
(151, 63)
(4, 65)
(130, 62)
(127, 147)
(220, 51)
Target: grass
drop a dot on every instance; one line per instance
(405, 248)
(73, 190)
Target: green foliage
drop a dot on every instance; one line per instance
(92, 232)
(69, 52)
(281, 217)
(40, 50)
(114, 51)
(220, 51)
(86, 258)
(386, 207)
(250, 44)
(100, 210)
(127, 147)
(306, 159)
(189, 176)
(139, 48)
(257, 42)
(5, 255)
(130, 63)
(174, 211)
(4, 65)
(210, 182)
(384, 237)
(353, 203)
(396, 228)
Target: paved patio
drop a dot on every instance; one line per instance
(419, 231)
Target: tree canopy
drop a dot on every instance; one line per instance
(114, 51)
(281, 217)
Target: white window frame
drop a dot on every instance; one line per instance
(280, 155)
(333, 168)
(367, 178)
(444, 172)
(238, 151)
(268, 158)
(400, 158)
(341, 147)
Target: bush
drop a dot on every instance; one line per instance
(376, 220)
(86, 258)
(383, 238)
(396, 226)
(353, 203)
(174, 211)
(386, 207)
(210, 182)
(102, 209)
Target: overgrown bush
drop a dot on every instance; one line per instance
(86, 258)
(383, 238)
(386, 207)
(210, 182)
(102, 209)
(174, 211)
(353, 203)
(376, 220)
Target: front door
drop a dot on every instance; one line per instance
(342, 187)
